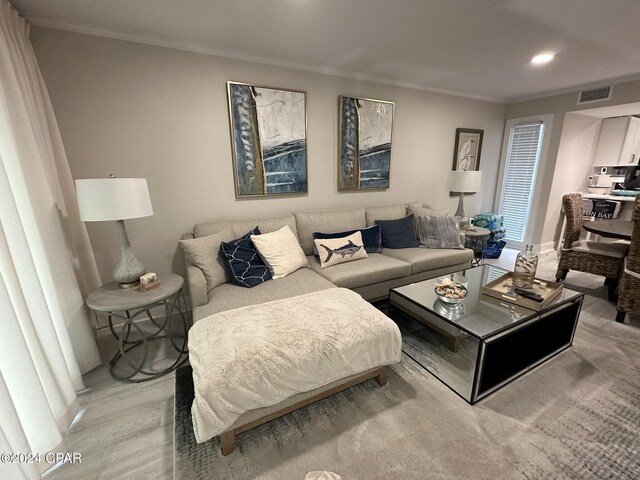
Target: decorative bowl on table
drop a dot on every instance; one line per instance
(450, 292)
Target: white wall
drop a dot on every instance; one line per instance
(575, 156)
(551, 186)
(140, 110)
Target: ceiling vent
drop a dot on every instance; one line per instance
(595, 95)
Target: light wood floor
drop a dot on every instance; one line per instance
(126, 430)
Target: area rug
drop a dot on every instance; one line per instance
(575, 417)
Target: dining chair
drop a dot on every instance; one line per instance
(629, 288)
(598, 258)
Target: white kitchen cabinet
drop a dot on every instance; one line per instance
(619, 142)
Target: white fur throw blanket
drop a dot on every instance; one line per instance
(260, 355)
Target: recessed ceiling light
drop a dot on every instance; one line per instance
(542, 58)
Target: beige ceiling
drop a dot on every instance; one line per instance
(478, 48)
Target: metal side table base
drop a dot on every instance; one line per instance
(133, 341)
(476, 239)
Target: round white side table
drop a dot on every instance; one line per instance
(131, 305)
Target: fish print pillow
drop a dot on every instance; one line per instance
(333, 251)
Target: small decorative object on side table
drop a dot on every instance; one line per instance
(476, 239)
(147, 281)
(128, 305)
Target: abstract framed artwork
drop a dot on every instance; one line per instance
(467, 149)
(364, 147)
(268, 140)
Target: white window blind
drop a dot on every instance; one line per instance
(525, 140)
(495, 273)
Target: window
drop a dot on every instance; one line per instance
(525, 141)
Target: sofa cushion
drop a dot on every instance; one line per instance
(386, 212)
(616, 250)
(366, 271)
(240, 227)
(326, 221)
(333, 251)
(371, 237)
(439, 232)
(398, 233)
(280, 252)
(244, 265)
(229, 296)
(420, 211)
(423, 259)
(204, 253)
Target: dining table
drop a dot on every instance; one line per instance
(620, 229)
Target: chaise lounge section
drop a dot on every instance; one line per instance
(263, 329)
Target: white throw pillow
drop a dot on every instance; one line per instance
(280, 251)
(339, 250)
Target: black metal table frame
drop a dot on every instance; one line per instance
(475, 242)
(171, 303)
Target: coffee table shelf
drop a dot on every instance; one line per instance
(486, 343)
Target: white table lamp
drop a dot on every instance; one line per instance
(462, 182)
(108, 199)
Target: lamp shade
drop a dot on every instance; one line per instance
(102, 199)
(464, 181)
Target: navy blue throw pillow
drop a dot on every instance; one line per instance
(398, 233)
(243, 263)
(371, 237)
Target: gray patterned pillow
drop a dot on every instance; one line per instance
(439, 232)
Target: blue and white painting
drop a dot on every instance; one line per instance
(268, 133)
(365, 144)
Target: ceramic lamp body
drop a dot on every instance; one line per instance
(463, 221)
(129, 269)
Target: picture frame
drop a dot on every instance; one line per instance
(365, 133)
(467, 149)
(268, 128)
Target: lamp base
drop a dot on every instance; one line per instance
(129, 269)
(463, 221)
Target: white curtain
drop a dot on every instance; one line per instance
(46, 264)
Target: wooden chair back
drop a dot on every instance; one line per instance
(572, 206)
(633, 259)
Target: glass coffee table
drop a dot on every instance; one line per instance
(486, 342)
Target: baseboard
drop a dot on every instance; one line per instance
(544, 248)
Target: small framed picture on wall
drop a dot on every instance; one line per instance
(468, 146)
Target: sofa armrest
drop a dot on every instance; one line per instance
(197, 286)
(195, 279)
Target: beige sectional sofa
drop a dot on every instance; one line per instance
(371, 277)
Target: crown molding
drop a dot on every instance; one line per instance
(157, 42)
